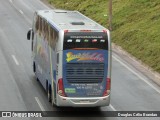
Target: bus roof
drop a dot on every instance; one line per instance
(69, 20)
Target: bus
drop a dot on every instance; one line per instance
(71, 58)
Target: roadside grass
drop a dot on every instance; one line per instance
(136, 24)
(95, 9)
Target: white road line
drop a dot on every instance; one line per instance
(39, 103)
(21, 12)
(136, 74)
(15, 60)
(112, 107)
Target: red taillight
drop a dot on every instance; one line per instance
(105, 31)
(60, 89)
(65, 31)
(108, 87)
(86, 30)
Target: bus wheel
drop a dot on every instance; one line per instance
(34, 67)
(37, 79)
(54, 105)
(49, 94)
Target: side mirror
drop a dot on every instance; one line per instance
(29, 34)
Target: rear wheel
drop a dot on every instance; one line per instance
(34, 70)
(49, 93)
(55, 106)
(53, 95)
(34, 67)
(37, 79)
(49, 97)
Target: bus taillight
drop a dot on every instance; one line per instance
(86, 30)
(65, 31)
(108, 87)
(105, 31)
(60, 89)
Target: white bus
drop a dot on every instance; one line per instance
(71, 58)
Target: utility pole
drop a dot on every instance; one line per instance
(110, 14)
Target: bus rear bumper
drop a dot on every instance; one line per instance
(83, 102)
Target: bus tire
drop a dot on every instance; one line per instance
(34, 67)
(49, 94)
(54, 105)
(37, 79)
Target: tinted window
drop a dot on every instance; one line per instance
(75, 40)
(53, 37)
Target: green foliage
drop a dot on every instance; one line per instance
(136, 24)
(95, 9)
(136, 27)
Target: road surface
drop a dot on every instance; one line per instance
(132, 90)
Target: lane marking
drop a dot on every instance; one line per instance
(136, 74)
(39, 103)
(112, 107)
(21, 12)
(15, 60)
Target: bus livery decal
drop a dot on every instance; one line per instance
(84, 56)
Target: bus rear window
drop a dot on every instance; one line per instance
(84, 40)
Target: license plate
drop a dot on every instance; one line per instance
(84, 101)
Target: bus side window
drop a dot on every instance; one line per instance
(53, 33)
(51, 37)
(40, 26)
(43, 27)
(37, 23)
(47, 32)
(55, 36)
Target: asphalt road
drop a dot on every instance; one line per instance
(132, 90)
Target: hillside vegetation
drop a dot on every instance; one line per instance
(136, 24)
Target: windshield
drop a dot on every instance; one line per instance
(85, 40)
